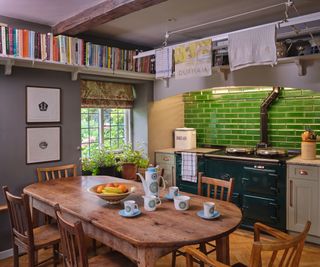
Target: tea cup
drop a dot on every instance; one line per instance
(208, 209)
(130, 207)
(181, 202)
(151, 202)
(173, 191)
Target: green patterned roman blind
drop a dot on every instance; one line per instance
(97, 94)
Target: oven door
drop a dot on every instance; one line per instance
(259, 209)
(260, 180)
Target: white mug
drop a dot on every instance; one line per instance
(181, 202)
(208, 209)
(130, 207)
(173, 191)
(151, 202)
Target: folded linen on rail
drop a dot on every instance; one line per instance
(189, 167)
(252, 47)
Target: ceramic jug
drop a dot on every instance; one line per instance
(151, 182)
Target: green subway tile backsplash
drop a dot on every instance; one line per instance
(231, 116)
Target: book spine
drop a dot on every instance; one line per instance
(4, 42)
(10, 41)
(7, 41)
(25, 43)
(1, 40)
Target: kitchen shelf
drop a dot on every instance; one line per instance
(299, 61)
(75, 70)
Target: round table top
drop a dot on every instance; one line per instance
(162, 228)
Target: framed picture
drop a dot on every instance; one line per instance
(43, 104)
(43, 144)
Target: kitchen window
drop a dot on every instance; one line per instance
(102, 127)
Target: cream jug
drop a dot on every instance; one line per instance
(151, 182)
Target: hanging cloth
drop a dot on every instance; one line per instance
(252, 47)
(98, 94)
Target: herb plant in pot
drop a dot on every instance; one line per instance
(129, 161)
(105, 162)
(87, 166)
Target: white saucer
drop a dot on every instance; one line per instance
(167, 196)
(215, 215)
(124, 214)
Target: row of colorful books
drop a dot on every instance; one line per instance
(24, 43)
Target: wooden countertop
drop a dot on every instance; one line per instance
(299, 160)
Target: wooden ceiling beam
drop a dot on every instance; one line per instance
(102, 13)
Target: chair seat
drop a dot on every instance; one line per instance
(46, 235)
(111, 259)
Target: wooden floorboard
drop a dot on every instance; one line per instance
(240, 248)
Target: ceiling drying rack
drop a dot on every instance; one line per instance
(286, 22)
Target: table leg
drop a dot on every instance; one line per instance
(222, 247)
(146, 257)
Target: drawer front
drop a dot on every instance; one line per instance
(303, 172)
(165, 159)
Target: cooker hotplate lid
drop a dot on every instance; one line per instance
(240, 150)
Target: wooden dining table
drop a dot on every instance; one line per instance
(144, 238)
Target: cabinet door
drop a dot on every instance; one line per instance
(303, 200)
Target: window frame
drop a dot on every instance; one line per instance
(101, 128)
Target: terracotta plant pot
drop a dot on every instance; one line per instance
(129, 171)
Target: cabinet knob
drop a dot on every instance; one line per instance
(303, 172)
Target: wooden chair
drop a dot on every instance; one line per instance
(57, 172)
(49, 173)
(24, 236)
(74, 249)
(290, 248)
(219, 189)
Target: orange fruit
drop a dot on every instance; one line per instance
(100, 188)
(110, 185)
(123, 188)
(115, 184)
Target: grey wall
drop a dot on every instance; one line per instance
(144, 95)
(13, 169)
(22, 24)
(285, 75)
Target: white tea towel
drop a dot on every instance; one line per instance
(252, 47)
(189, 167)
(164, 62)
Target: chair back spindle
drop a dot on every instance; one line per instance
(73, 241)
(56, 172)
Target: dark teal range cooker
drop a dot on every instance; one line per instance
(260, 185)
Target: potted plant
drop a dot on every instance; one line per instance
(87, 166)
(130, 160)
(104, 162)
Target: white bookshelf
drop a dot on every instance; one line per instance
(10, 61)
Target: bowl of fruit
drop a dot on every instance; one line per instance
(113, 193)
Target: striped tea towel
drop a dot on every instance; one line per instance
(189, 167)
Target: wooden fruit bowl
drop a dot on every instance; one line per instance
(111, 198)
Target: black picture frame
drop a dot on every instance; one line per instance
(39, 139)
(43, 104)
